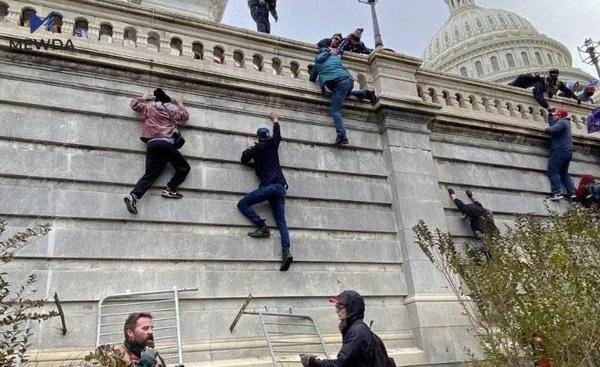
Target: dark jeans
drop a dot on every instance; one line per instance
(260, 14)
(158, 153)
(342, 88)
(275, 195)
(558, 171)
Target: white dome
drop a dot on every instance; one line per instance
(494, 45)
(204, 9)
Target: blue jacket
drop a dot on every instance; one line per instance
(561, 133)
(328, 67)
(266, 159)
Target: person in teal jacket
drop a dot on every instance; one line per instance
(334, 76)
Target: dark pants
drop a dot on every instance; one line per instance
(158, 153)
(342, 88)
(474, 212)
(275, 195)
(558, 171)
(260, 14)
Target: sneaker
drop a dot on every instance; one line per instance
(130, 203)
(171, 194)
(451, 191)
(556, 197)
(371, 96)
(260, 233)
(341, 140)
(286, 261)
(573, 198)
(469, 194)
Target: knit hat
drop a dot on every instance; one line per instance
(357, 33)
(263, 134)
(161, 96)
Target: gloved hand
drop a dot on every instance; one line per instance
(578, 100)
(148, 358)
(308, 360)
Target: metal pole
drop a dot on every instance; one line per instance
(176, 294)
(594, 58)
(376, 31)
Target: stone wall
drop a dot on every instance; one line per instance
(71, 152)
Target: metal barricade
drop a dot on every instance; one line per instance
(287, 335)
(164, 307)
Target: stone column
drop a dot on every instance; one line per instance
(434, 314)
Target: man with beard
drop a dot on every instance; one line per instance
(139, 342)
(360, 346)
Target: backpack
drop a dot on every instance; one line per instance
(381, 357)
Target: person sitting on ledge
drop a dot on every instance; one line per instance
(159, 132)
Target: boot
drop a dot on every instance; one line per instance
(286, 260)
(260, 233)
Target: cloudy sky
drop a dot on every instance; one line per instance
(408, 25)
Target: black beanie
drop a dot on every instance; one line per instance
(161, 96)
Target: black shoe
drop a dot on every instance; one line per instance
(286, 261)
(469, 194)
(260, 233)
(171, 194)
(451, 191)
(130, 203)
(371, 96)
(341, 140)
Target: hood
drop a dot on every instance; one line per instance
(323, 55)
(354, 303)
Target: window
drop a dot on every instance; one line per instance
(495, 65)
(479, 68)
(238, 59)
(538, 58)
(55, 23)
(81, 28)
(525, 58)
(26, 15)
(276, 65)
(176, 47)
(130, 37)
(3, 11)
(153, 42)
(106, 33)
(198, 50)
(257, 61)
(510, 60)
(218, 55)
(463, 71)
(295, 69)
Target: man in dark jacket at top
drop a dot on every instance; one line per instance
(561, 153)
(549, 85)
(360, 346)
(260, 9)
(272, 187)
(334, 41)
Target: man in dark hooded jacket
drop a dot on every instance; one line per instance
(360, 346)
(272, 187)
(549, 85)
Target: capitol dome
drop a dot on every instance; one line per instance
(203, 9)
(495, 45)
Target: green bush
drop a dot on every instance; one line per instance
(16, 306)
(543, 279)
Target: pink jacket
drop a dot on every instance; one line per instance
(160, 121)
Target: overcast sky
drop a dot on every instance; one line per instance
(408, 25)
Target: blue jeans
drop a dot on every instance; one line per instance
(342, 88)
(275, 195)
(558, 171)
(260, 14)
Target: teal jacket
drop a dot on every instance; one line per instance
(328, 67)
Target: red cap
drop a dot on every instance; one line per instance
(335, 300)
(561, 113)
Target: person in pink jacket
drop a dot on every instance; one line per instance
(159, 131)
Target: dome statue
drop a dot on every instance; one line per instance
(495, 45)
(203, 9)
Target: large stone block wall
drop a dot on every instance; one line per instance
(70, 152)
